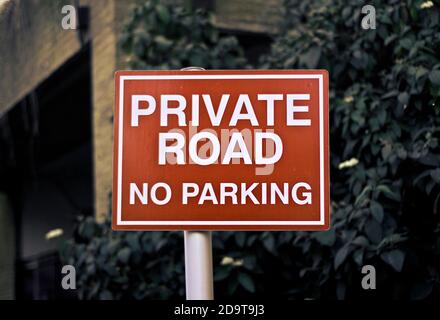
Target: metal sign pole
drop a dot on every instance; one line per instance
(198, 265)
(198, 258)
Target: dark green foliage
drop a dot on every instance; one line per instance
(385, 116)
(162, 36)
(385, 112)
(125, 265)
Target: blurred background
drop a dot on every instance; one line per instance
(56, 114)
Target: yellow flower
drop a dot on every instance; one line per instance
(227, 261)
(238, 263)
(54, 233)
(231, 261)
(348, 99)
(426, 5)
(348, 163)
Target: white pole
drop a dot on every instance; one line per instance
(198, 265)
(198, 258)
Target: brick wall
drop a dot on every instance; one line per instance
(103, 67)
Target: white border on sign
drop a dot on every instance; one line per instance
(320, 222)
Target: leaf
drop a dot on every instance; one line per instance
(403, 98)
(326, 238)
(390, 94)
(406, 43)
(87, 229)
(361, 241)
(394, 258)
(358, 256)
(311, 57)
(420, 72)
(434, 76)
(388, 193)
(386, 151)
(111, 270)
(163, 13)
(269, 243)
(341, 255)
(377, 211)
(240, 238)
(232, 286)
(435, 174)
(382, 116)
(363, 195)
(373, 230)
(390, 39)
(221, 274)
(163, 42)
(250, 263)
(246, 281)
(124, 255)
(133, 241)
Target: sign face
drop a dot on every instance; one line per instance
(221, 150)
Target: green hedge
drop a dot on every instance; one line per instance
(162, 36)
(385, 161)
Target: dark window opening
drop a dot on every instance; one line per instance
(46, 170)
(254, 45)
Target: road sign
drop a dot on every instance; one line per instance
(221, 150)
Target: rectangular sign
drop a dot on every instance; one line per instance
(221, 150)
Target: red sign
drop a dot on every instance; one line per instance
(221, 150)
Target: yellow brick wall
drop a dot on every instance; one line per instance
(108, 18)
(103, 68)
